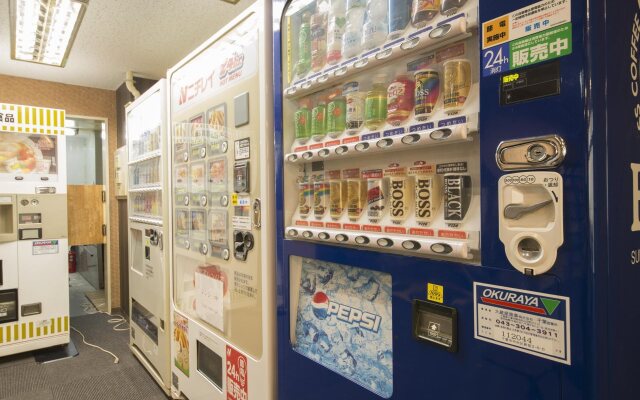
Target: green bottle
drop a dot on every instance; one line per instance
(319, 121)
(302, 121)
(375, 108)
(304, 45)
(336, 114)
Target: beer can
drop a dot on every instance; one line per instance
(399, 17)
(337, 198)
(320, 199)
(305, 197)
(400, 198)
(356, 198)
(457, 197)
(376, 199)
(457, 84)
(427, 198)
(424, 11)
(427, 93)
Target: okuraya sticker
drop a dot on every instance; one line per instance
(344, 323)
(531, 322)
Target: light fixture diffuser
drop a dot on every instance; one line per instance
(43, 31)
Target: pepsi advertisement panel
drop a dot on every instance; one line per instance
(344, 322)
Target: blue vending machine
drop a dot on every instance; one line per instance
(458, 187)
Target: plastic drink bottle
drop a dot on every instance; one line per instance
(376, 26)
(335, 31)
(304, 45)
(319, 36)
(376, 104)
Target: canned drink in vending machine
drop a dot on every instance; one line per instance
(427, 93)
(376, 195)
(355, 106)
(336, 114)
(399, 17)
(356, 193)
(428, 198)
(400, 100)
(337, 194)
(400, 194)
(457, 197)
(457, 84)
(320, 199)
(423, 12)
(305, 198)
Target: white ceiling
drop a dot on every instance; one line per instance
(144, 36)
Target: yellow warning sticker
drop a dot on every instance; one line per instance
(435, 293)
(234, 199)
(495, 31)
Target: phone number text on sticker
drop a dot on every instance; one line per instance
(530, 322)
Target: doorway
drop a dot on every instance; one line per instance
(87, 222)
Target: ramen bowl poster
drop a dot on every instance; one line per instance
(27, 154)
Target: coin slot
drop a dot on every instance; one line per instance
(384, 242)
(529, 249)
(362, 240)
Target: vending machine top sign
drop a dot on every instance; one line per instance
(32, 150)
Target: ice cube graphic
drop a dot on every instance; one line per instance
(308, 283)
(323, 342)
(369, 290)
(324, 273)
(347, 362)
(357, 337)
(310, 331)
(385, 359)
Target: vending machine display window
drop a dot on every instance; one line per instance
(381, 132)
(28, 155)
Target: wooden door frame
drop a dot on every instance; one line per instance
(105, 177)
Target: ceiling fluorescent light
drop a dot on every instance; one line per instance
(43, 30)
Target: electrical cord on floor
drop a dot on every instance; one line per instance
(116, 319)
(116, 360)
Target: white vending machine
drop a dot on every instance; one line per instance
(222, 196)
(148, 264)
(34, 293)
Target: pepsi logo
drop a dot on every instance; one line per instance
(320, 305)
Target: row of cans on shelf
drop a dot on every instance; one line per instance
(397, 191)
(349, 108)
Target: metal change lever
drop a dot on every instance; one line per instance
(516, 211)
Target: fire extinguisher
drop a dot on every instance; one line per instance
(72, 261)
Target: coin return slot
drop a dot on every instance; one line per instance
(384, 242)
(411, 245)
(362, 146)
(440, 31)
(341, 237)
(529, 249)
(441, 248)
(384, 143)
(411, 139)
(362, 240)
